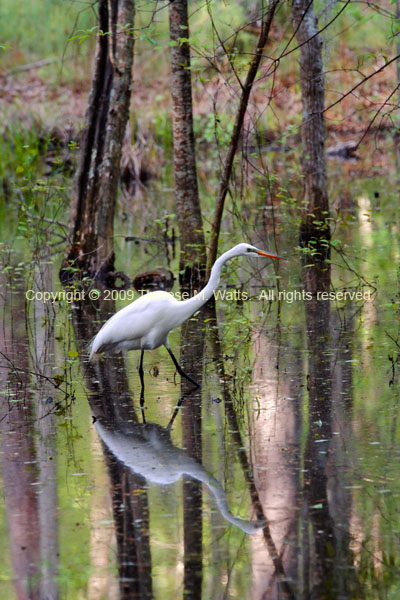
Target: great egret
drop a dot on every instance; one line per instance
(146, 322)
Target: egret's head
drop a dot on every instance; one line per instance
(248, 250)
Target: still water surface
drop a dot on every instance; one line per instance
(279, 478)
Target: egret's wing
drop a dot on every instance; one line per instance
(132, 322)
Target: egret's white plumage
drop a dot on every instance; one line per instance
(142, 325)
(145, 323)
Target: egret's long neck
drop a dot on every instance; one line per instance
(205, 294)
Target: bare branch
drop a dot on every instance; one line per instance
(244, 100)
(376, 115)
(366, 78)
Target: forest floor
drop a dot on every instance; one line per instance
(56, 109)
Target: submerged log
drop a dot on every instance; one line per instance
(157, 279)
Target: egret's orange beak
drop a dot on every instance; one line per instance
(261, 253)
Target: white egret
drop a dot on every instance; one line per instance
(146, 322)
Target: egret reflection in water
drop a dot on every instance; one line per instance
(147, 449)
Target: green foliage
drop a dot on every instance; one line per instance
(162, 127)
(34, 31)
(213, 129)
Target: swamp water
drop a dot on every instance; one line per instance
(294, 423)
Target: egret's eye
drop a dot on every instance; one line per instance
(249, 250)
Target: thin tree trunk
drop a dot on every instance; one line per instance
(314, 231)
(237, 130)
(96, 181)
(397, 130)
(315, 239)
(192, 259)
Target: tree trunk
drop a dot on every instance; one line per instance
(192, 258)
(314, 231)
(397, 129)
(96, 182)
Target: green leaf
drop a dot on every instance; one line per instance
(58, 379)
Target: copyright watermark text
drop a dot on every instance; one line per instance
(68, 296)
(229, 295)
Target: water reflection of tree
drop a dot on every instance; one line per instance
(18, 449)
(327, 559)
(43, 361)
(192, 352)
(279, 574)
(341, 460)
(317, 546)
(111, 400)
(29, 437)
(276, 450)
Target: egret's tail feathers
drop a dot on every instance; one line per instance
(93, 350)
(93, 357)
(97, 348)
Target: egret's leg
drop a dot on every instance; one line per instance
(180, 370)
(141, 373)
(177, 407)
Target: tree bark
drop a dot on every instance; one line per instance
(191, 355)
(192, 258)
(96, 182)
(314, 230)
(397, 130)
